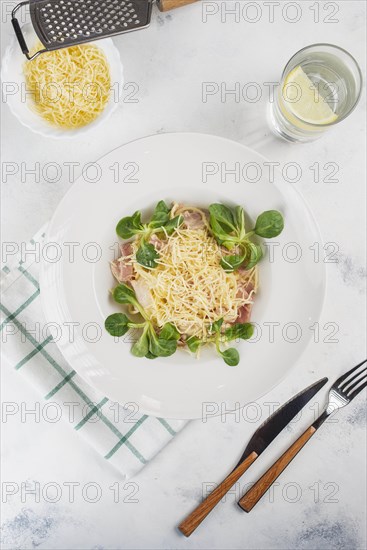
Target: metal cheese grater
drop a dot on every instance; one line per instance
(62, 23)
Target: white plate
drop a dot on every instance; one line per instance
(12, 76)
(76, 289)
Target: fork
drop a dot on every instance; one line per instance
(342, 392)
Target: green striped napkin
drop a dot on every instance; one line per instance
(125, 438)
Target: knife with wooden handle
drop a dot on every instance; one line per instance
(263, 436)
(192, 521)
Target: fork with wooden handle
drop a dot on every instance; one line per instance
(342, 392)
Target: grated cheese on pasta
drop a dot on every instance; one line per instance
(189, 288)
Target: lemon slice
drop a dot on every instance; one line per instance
(304, 100)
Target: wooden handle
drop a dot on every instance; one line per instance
(254, 494)
(166, 5)
(193, 520)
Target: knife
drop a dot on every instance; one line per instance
(263, 436)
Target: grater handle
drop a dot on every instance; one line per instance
(21, 40)
(18, 30)
(19, 34)
(165, 5)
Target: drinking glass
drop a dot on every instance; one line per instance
(320, 86)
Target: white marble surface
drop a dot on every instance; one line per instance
(320, 501)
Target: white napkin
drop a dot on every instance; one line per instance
(126, 439)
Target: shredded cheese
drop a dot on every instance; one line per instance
(70, 87)
(189, 288)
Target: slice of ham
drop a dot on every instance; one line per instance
(193, 219)
(121, 269)
(244, 312)
(244, 290)
(142, 293)
(156, 242)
